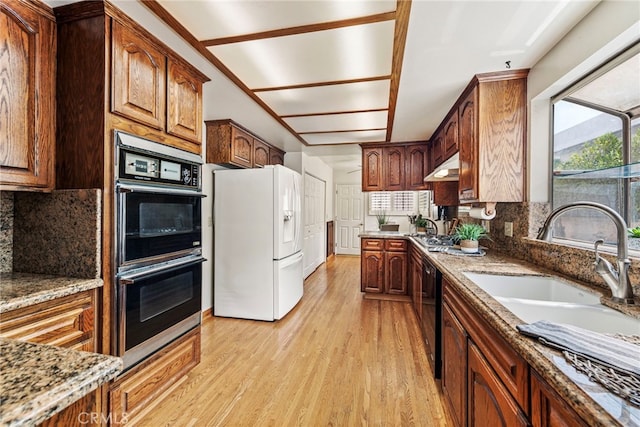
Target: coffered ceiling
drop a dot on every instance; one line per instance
(337, 73)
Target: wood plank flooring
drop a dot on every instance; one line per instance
(336, 359)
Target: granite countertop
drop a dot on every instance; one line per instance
(596, 405)
(19, 290)
(39, 380)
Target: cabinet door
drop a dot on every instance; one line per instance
(27, 97)
(372, 169)
(138, 78)
(241, 148)
(416, 167)
(276, 157)
(393, 168)
(396, 273)
(454, 366)
(489, 402)
(260, 153)
(468, 130)
(372, 271)
(445, 193)
(547, 407)
(184, 103)
(451, 135)
(437, 151)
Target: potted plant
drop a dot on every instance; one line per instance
(421, 224)
(634, 238)
(468, 236)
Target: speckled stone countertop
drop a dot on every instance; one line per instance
(596, 405)
(39, 381)
(19, 290)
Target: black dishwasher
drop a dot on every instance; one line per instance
(432, 313)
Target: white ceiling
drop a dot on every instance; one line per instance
(330, 85)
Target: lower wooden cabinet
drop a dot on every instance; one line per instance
(137, 391)
(65, 322)
(383, 267)
(454, 366)
(548, 409)
(489, 402)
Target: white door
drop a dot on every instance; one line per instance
(349, 220)
(314, 223)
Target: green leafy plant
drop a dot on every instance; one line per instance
(470, 231)
(634, 232)
(421, 222)
(382, 218)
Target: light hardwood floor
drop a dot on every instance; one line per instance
(336, 359)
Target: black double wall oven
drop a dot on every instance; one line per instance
(158, 246)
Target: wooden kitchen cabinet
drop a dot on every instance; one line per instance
(415, 278)
(445, 193)
(454, 366)
(138, 77)
(67, 322)
(395, 167)
(437, 150)
(383, 266)
(548, 409)
(184, 102)
(492, 128)
(450, 145)
(260, 154)
(135, 392)
(416, 167)
(27, 117)
(230, 144)
(489, 402)
(372, 170)
(483, 379)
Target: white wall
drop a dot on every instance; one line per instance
(606, 30)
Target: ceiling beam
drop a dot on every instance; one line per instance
(302, 29)
(320, 84)
(403, 11)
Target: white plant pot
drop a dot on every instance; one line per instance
(469, 246)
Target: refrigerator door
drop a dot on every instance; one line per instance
(288, 284)
(287, 212)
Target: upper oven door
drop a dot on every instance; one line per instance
(156, 225)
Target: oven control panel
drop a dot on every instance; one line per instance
(147, 168)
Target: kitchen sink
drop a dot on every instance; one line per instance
(542, 288)
(534, 298)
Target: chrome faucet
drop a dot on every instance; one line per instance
(617, 280)
(434, 226)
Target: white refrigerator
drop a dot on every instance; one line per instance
(257, 242)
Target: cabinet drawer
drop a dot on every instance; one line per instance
(65, 322)
(372, 244)
(140, 389)
(395, 245)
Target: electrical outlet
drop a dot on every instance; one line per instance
(487, 225)
(508, 229)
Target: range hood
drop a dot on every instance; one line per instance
(448, 171)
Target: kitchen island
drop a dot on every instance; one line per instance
(593, 403)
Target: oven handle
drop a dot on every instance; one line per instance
(123, 188)
(130, 279)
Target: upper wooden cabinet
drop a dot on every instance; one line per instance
(27, 96)
(492, 138)
(230, 144)
(184, 102)
(450, 146)
(416, 166)
(394, 167)
(138, 77)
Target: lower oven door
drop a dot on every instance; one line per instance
(157, 305)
